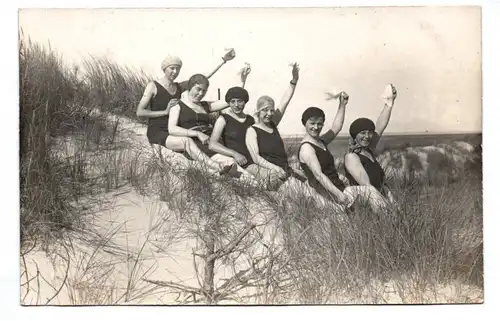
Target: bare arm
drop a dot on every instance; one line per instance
(229, 55)
(176, 130)
(215, 137)
(338, 122)
(244, 74)
(385, 115)
(308, 156)
(355, 168)
(287, 96)
(142, 108)
(253, 148)
(217, 105)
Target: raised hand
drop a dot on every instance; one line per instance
(295, 72)
(245, 71)
(229, 54)
(389, 95)
(344, 98)
(333, 94)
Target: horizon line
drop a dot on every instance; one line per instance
(405, 133)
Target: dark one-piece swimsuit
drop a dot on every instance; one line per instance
(189, 119)
(327, 163)
(157, 132)
(373, 169)
(233, 136)
(271, 147)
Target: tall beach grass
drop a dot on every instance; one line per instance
(71, 151)
(59, 127)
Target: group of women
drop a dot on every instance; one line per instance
(250, 146)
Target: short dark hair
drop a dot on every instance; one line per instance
(198, 79)
(312, 112)
(237, 92)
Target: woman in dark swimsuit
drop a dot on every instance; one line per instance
(263, 140)
(190, 118)
(362, 168)
(228, 136)
(314, 157)
(159, 96)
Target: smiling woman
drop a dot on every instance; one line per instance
(263, 140)
(189, 118)
(228, 136)
(318, 163)
(362, 167)
(158, 98)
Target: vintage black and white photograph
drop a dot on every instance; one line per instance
(251, 156)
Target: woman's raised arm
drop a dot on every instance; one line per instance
(281, 108)
(228, 55)
(388, 96)
(338, 122)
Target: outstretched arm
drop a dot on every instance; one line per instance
(308, 156)
(217, 105)
(281, 108)
(383, 119)
(338, 122)
(355, 168)
(228, 55)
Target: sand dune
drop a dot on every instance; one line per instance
(139, 239)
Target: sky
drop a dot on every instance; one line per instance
(431, 54)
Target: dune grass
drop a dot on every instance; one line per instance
(433, 237)
(314, 254)
(59, 128)
(430, 238)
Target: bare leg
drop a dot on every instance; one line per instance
(225, 160)
(368, 194)
(181, 144)
(265, 176)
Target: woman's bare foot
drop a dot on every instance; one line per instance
(231, 170)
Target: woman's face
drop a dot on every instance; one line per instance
(364, 138)
(172, 71)
(197, 92)
(237, 105)
(314, 125)
(266, 113)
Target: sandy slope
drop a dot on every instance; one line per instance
(138, 238)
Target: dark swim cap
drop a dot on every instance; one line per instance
(237, 92)
(311, 112)
(359, 125)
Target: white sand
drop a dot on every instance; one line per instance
(145, 242)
